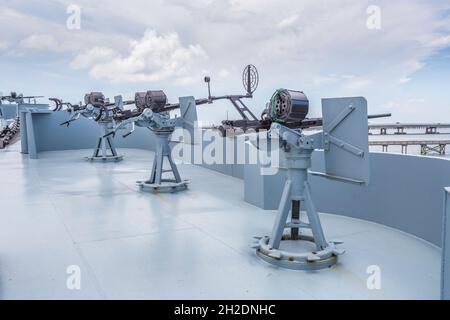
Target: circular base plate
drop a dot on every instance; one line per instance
(105, 159)
(314, 260)
(165, 187)
(298, 265)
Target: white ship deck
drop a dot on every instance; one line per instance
(60, 211)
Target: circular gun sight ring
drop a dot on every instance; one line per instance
(250, 79)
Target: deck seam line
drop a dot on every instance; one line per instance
(214, 238)
(91, 272)
(129, 237)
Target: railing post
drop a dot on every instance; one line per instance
(445, 271)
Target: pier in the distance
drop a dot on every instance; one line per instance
(401, 128)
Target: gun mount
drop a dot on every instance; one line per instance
(14, 97)
(344, 140)
(100, 110)
(162, 125)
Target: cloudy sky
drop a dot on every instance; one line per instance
(323, 47)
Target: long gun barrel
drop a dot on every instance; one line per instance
(318, 122)
(381, 115)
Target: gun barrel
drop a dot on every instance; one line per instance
(125, 103)
(381, 115)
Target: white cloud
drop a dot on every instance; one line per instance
(94, 56)
(440, 42)
(358, 83)
(408, 109)
(43, 42)
(55, 42)
(350, 82)
(4, 45)
(404, 80)
(288, 22)
(224, 73)
(48, 33)
(150, 59)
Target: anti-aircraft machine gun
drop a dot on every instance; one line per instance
(153, 113)
(18, 98)
(100, 110)
(344, 139)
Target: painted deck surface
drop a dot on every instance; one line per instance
(60, 211)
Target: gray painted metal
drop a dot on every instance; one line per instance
(189, 114)
(9, 111)
(346, 146)
(445, 270)
(163, 126)
(82, 134)
(27, 128)
(346, 160)
(157, 183)
(105, 150)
